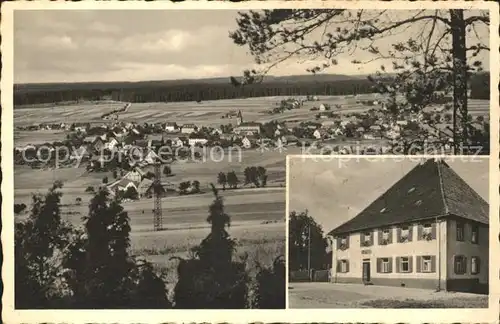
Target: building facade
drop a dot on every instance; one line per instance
(430, 230)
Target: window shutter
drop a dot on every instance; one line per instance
(465, 264)
(398, 234)
(390, 265)
(372, 238)
(433, 231)
(379, 265)
(390, 235)
(410, 233)
(419, 232)
(347, 241)
(433, 263)
(398, 264)
(410, 264)
(347, 266)
(419, 263)
(338, 265)
(380, 231)
(339, 242)
(361, 239)
(478, 264)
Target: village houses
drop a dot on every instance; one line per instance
(429, 230)
(246, 128)
(188, 128)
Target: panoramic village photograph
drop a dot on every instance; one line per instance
(150, 157)
(388, 233)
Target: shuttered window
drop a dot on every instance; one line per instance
(384, 265)
(343, 266)
(404, 264)
(385, 236)
(366, 239)
(460, 264)
(404, 234)
(475, 234)
(343, 242)
(475, 265)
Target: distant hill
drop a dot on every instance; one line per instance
(208, 89)
(34, 87)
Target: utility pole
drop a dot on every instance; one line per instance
(309, 251)
(158, 219)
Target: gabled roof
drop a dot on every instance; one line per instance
(429, 190)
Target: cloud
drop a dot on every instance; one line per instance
(54, 43)
(195, 43)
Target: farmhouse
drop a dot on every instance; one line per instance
(197, 141)
(144, 187)
(248, 128)
(95, 142)
(136, 175)
(111, 143)
(246, 142)
(81, 127)
(429, 230)
(155, 140)
(171, 127)
(122, 185)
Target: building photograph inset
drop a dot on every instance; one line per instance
(388, 233)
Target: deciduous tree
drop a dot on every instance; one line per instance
(434, 56)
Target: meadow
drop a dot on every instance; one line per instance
(205, 113)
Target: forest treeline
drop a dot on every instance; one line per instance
(171, 92)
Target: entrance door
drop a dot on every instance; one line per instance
(366, 270)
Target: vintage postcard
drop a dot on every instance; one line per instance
(222, 157)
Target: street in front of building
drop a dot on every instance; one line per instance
(327, 295)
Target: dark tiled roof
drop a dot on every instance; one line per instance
(429, 190)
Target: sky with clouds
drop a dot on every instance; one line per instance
(139, 45)
(334, 191)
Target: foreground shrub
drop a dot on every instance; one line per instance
(210, 279)
(270, 286)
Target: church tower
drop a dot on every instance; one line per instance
(239, 118)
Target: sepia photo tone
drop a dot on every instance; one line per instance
(389, 233)
(185, 156)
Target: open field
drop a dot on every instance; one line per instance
(327, 295)
(205, 113)
(28, 180)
